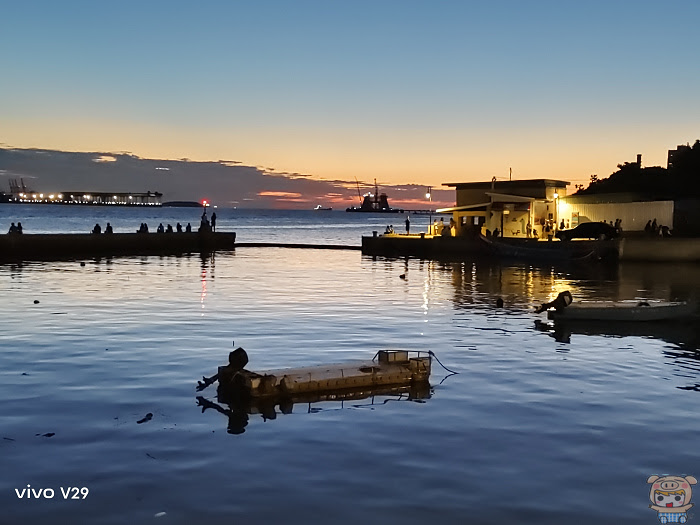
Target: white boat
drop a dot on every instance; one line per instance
(322, 208)
(623, 311)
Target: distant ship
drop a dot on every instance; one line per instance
(322, 208)
(374, 203)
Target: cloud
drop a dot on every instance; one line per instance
(283, 194)
(219, 182)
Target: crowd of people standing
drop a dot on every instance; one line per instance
(206, 225)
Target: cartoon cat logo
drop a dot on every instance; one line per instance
(670, 497)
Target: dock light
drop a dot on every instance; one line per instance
(556, 195)
(205, 203)
(429, 196)
(115, 197)
(60, 196)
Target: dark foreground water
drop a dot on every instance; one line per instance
(537, 427)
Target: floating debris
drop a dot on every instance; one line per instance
(147, 417)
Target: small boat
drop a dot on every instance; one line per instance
(623, 311)
(556, 251)
(322, 208)
(388, 368)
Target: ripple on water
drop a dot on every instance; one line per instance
(546, 428)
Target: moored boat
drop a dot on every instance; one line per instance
(533, 249)
(623, 311)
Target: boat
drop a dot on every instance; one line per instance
(388, 368)
(533, 249)
(373, 203)
(322, 208)
(623, 311)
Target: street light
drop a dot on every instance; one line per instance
(429, 196)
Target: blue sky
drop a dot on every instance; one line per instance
(405, 91)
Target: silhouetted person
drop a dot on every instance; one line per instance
(654, 227)
(213, 221)
(13, 228)
(169, 229)
(499, 303)
(648, 229)
(160, 228)
(237, 359)
(528, 229)
(665, 231)
(108, 228)
(408, 224)
(562, 226)
(97, 229)
(496, 232)
(178, 227)
(563, 300)
(19, 227)
(188, 228)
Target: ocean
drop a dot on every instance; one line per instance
(536, 426)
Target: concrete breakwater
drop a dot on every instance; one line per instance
(71, 245)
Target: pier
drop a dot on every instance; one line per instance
(76, 245)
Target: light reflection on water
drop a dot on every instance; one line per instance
(531, 429)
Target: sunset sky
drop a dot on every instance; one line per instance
(408, 92)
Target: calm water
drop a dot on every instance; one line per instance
(537, 427)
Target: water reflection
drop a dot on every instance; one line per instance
(208, 266)
(526, 285)
(685, 335)
(238, 409)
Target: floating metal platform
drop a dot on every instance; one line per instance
(389, 368)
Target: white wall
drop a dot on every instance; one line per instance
(634, 215)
